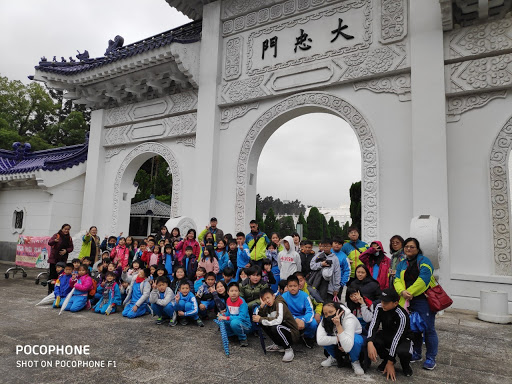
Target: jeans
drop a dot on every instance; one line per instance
(160, 310)
(429, 317)
(353, 353)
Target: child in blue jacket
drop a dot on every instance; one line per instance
(62, 287)
(110, 295)
(163, 301)
(236, 317)
(186, 305)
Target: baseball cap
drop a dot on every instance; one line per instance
(389, 295)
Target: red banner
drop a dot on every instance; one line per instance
(33, 251)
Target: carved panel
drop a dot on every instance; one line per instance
(155, 129)
(231, 8)
(157, 149)
(233, 63)
(399, 85)
(500, 200)
(240, 90)
(446, 14)
(480, 39)
(368, 152)
(187, 141)
(177, 103)
(393, 20)
(231, 113)
(111, 152)
(361, 10)
(460, 104)
(485, 73)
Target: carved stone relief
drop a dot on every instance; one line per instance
(363, 131)
(177, 103)
(233, 61)
(111, 152)
(480, 74)
(456, 106)
(231, 113)
(240, 90)
(153, 148)
(189, 141)
(399, 85)
(500, 200)
(173, 126)
(393, 20)
(478, 40)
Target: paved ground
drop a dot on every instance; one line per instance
(470, 351)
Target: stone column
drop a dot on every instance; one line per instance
(208, 119)
(428, 147)
(94, 177)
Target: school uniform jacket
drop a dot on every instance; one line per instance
(162, 298)
(300, 306)
(279, 314)
(425, 279)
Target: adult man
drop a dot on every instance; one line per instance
(217, 232)
(257, 242)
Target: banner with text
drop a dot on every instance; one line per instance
(33, 251)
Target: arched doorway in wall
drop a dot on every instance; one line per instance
(125, 190)
(286, 110)
(310, 161)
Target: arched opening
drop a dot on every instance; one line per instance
(125, 189)
(287, 109)
(310, 161)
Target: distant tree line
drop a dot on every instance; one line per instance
(279, 207)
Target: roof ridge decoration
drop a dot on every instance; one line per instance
(185, 34)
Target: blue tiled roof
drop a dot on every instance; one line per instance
(20, 160)
(186, 34)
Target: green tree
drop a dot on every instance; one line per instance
(315, 224)
(271, 224)
(304, 223)
(326, 232)
(287, 226)
(154, 178)
(355, 204)
(344, 231)
(332, 227)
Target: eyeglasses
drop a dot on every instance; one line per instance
(410, 247)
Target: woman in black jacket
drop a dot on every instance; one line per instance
(366, 284)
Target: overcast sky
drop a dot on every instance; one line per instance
(323, 162)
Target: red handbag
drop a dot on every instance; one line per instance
(437, 298)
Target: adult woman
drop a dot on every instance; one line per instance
(90, 245)
(365, 283)
(175, 235)
(163, 234)
(396, 247)
(62, 246)
(191, 241)
(414, 276)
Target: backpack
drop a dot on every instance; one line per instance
(92, 291)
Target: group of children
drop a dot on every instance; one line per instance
(293, 294)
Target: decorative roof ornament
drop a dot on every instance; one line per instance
(114, 45)
(82, 56)
(21, 150)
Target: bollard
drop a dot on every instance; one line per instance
(494, 307)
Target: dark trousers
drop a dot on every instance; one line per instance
(382, 343)
(279, 334)
(53, 276)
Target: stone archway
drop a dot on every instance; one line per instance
(363, 131)
(150, 148)
(500, 200)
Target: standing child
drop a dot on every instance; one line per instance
(62, 286)
(136, 302)
(76, 265)
(233, 253)
(209, 260)
(110, 295)
(243, 256)
(121, 253)
(186, 305)
(222, 256)
(200, 274)
(190, 263)
(168, 259)
(236, 318)
(163, 301)
(190, 241)
(288, 259)
(82, 283)
(278, 323)
(179, 277)
(178, 256)
(353, 248)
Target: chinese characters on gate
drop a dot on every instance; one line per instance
(303, 42)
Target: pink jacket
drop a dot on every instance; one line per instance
(209, 265)
(183, 244)
(83, 284)
(385, 264)
(120, 255)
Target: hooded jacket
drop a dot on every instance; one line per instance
(120, 255)
(331, 274)
(377, 259)
(288, 261)
(369, 287)
(258, 245)
(353, 249)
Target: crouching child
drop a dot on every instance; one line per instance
(186, 305)
(110, 295)
(136, 302)
(236, 317)
(163, 301)
(278, 323)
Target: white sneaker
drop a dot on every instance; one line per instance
(274, 348)
(288, 355)
(329, 362)
(357, 368)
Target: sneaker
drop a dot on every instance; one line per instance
(415, 357)
(172, 323)
(329, 362)
(244, 343)
(429, 364)
(382, 366)
(274, 348)
(183, 321)
(288, 355)
(407, 370)
(159, 321)
(357, 368)
(309, 343)
(88, 305)
(200, 323)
